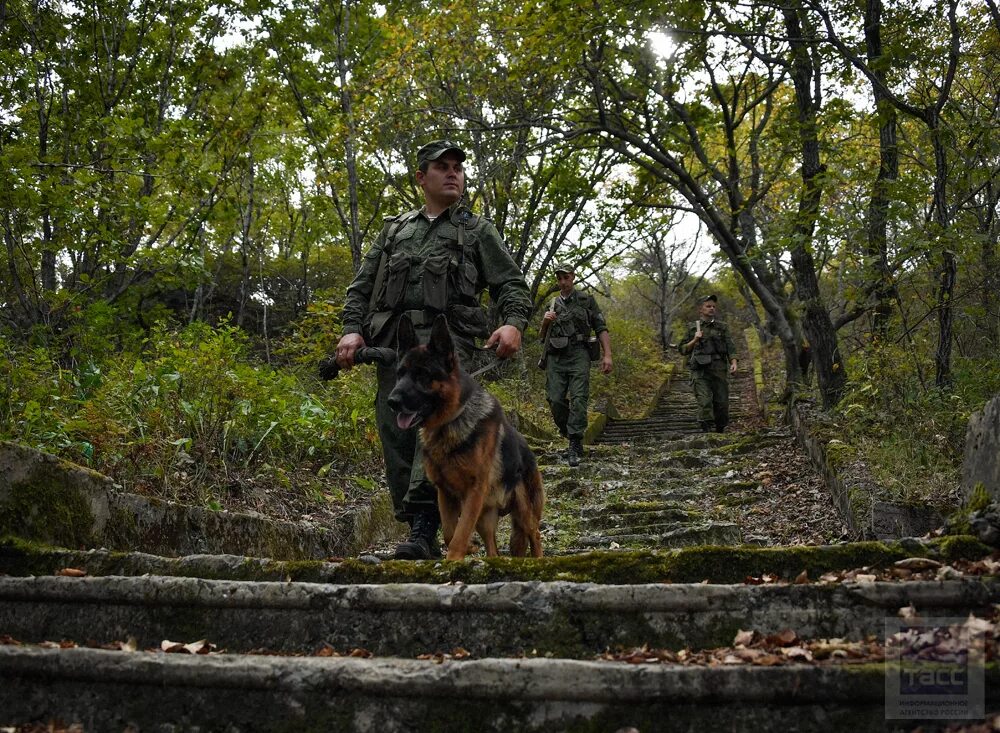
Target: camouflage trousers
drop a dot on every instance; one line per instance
(711, 391)
(567, 389)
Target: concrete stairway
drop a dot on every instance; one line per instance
(643, 553)
(676, 412)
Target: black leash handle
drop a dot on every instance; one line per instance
(329, 369)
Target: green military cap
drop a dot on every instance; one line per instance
(436, 148)
(707, 298)
(564, 267)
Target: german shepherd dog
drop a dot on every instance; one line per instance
(482, 467)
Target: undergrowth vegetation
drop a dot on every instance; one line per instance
(194, 414)
(910, 435)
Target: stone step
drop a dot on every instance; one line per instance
(716, 564)
(566, 619)
(111, 691)
(704, 533)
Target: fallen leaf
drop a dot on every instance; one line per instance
(798, 653)
(768, 660)
(801, 579)
(745, 638)
(916, 564)
(947, 572)
(786, 637)
(72, 572)
(199, 647)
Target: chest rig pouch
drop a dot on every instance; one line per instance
(397, 276)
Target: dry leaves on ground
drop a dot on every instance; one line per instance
(786, 647)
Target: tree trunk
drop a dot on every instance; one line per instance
(948, 270)
(888, 173)
(350, 153)
(830, 372)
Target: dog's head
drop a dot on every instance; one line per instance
(426, 376)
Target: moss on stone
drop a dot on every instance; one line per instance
(47, 509)
(686, 565)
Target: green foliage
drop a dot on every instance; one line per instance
(188, 414)
(912, 437)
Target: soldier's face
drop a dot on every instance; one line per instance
(444, 180)
(708, 309)
(565, 281)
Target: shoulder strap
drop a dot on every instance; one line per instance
(390, 237)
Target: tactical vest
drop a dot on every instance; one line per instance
(711, 347)
(572, 324)
(438, 275)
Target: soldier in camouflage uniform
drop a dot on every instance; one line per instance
(566, 328)
(437, 259)
(712, 359)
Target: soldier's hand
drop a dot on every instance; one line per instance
(732, 367)
(606, 364)
(347, 346)
(506, 339)
(697, 335)
(549, 317)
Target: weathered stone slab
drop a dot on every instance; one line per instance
(47, 499)
(105, 690)
(981, 465)
(567, 619)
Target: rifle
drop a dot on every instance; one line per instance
(544, 361)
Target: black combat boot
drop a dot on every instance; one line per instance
(422, 544)
(575, 452)
(707, 426)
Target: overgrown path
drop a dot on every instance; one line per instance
(690, 578)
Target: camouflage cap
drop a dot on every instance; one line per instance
(564, 267)
(435, 149)
(712, 297)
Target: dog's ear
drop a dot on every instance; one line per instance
(406, 337)
(440, 337)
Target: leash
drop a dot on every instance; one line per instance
(492, 365)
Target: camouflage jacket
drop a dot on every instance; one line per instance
(716, 345)
(426, 269)
(576, 316)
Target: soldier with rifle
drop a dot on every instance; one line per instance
(712, 358)
(565, 331)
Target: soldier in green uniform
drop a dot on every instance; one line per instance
(437, 259)
(566, 328)
(712, 358)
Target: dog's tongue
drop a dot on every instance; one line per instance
(405, 419)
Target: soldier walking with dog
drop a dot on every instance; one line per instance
(712, 358)
(436, 259)
(566, 328)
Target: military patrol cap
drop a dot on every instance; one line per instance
(712, 297)
(564, 267)
(435, 149)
